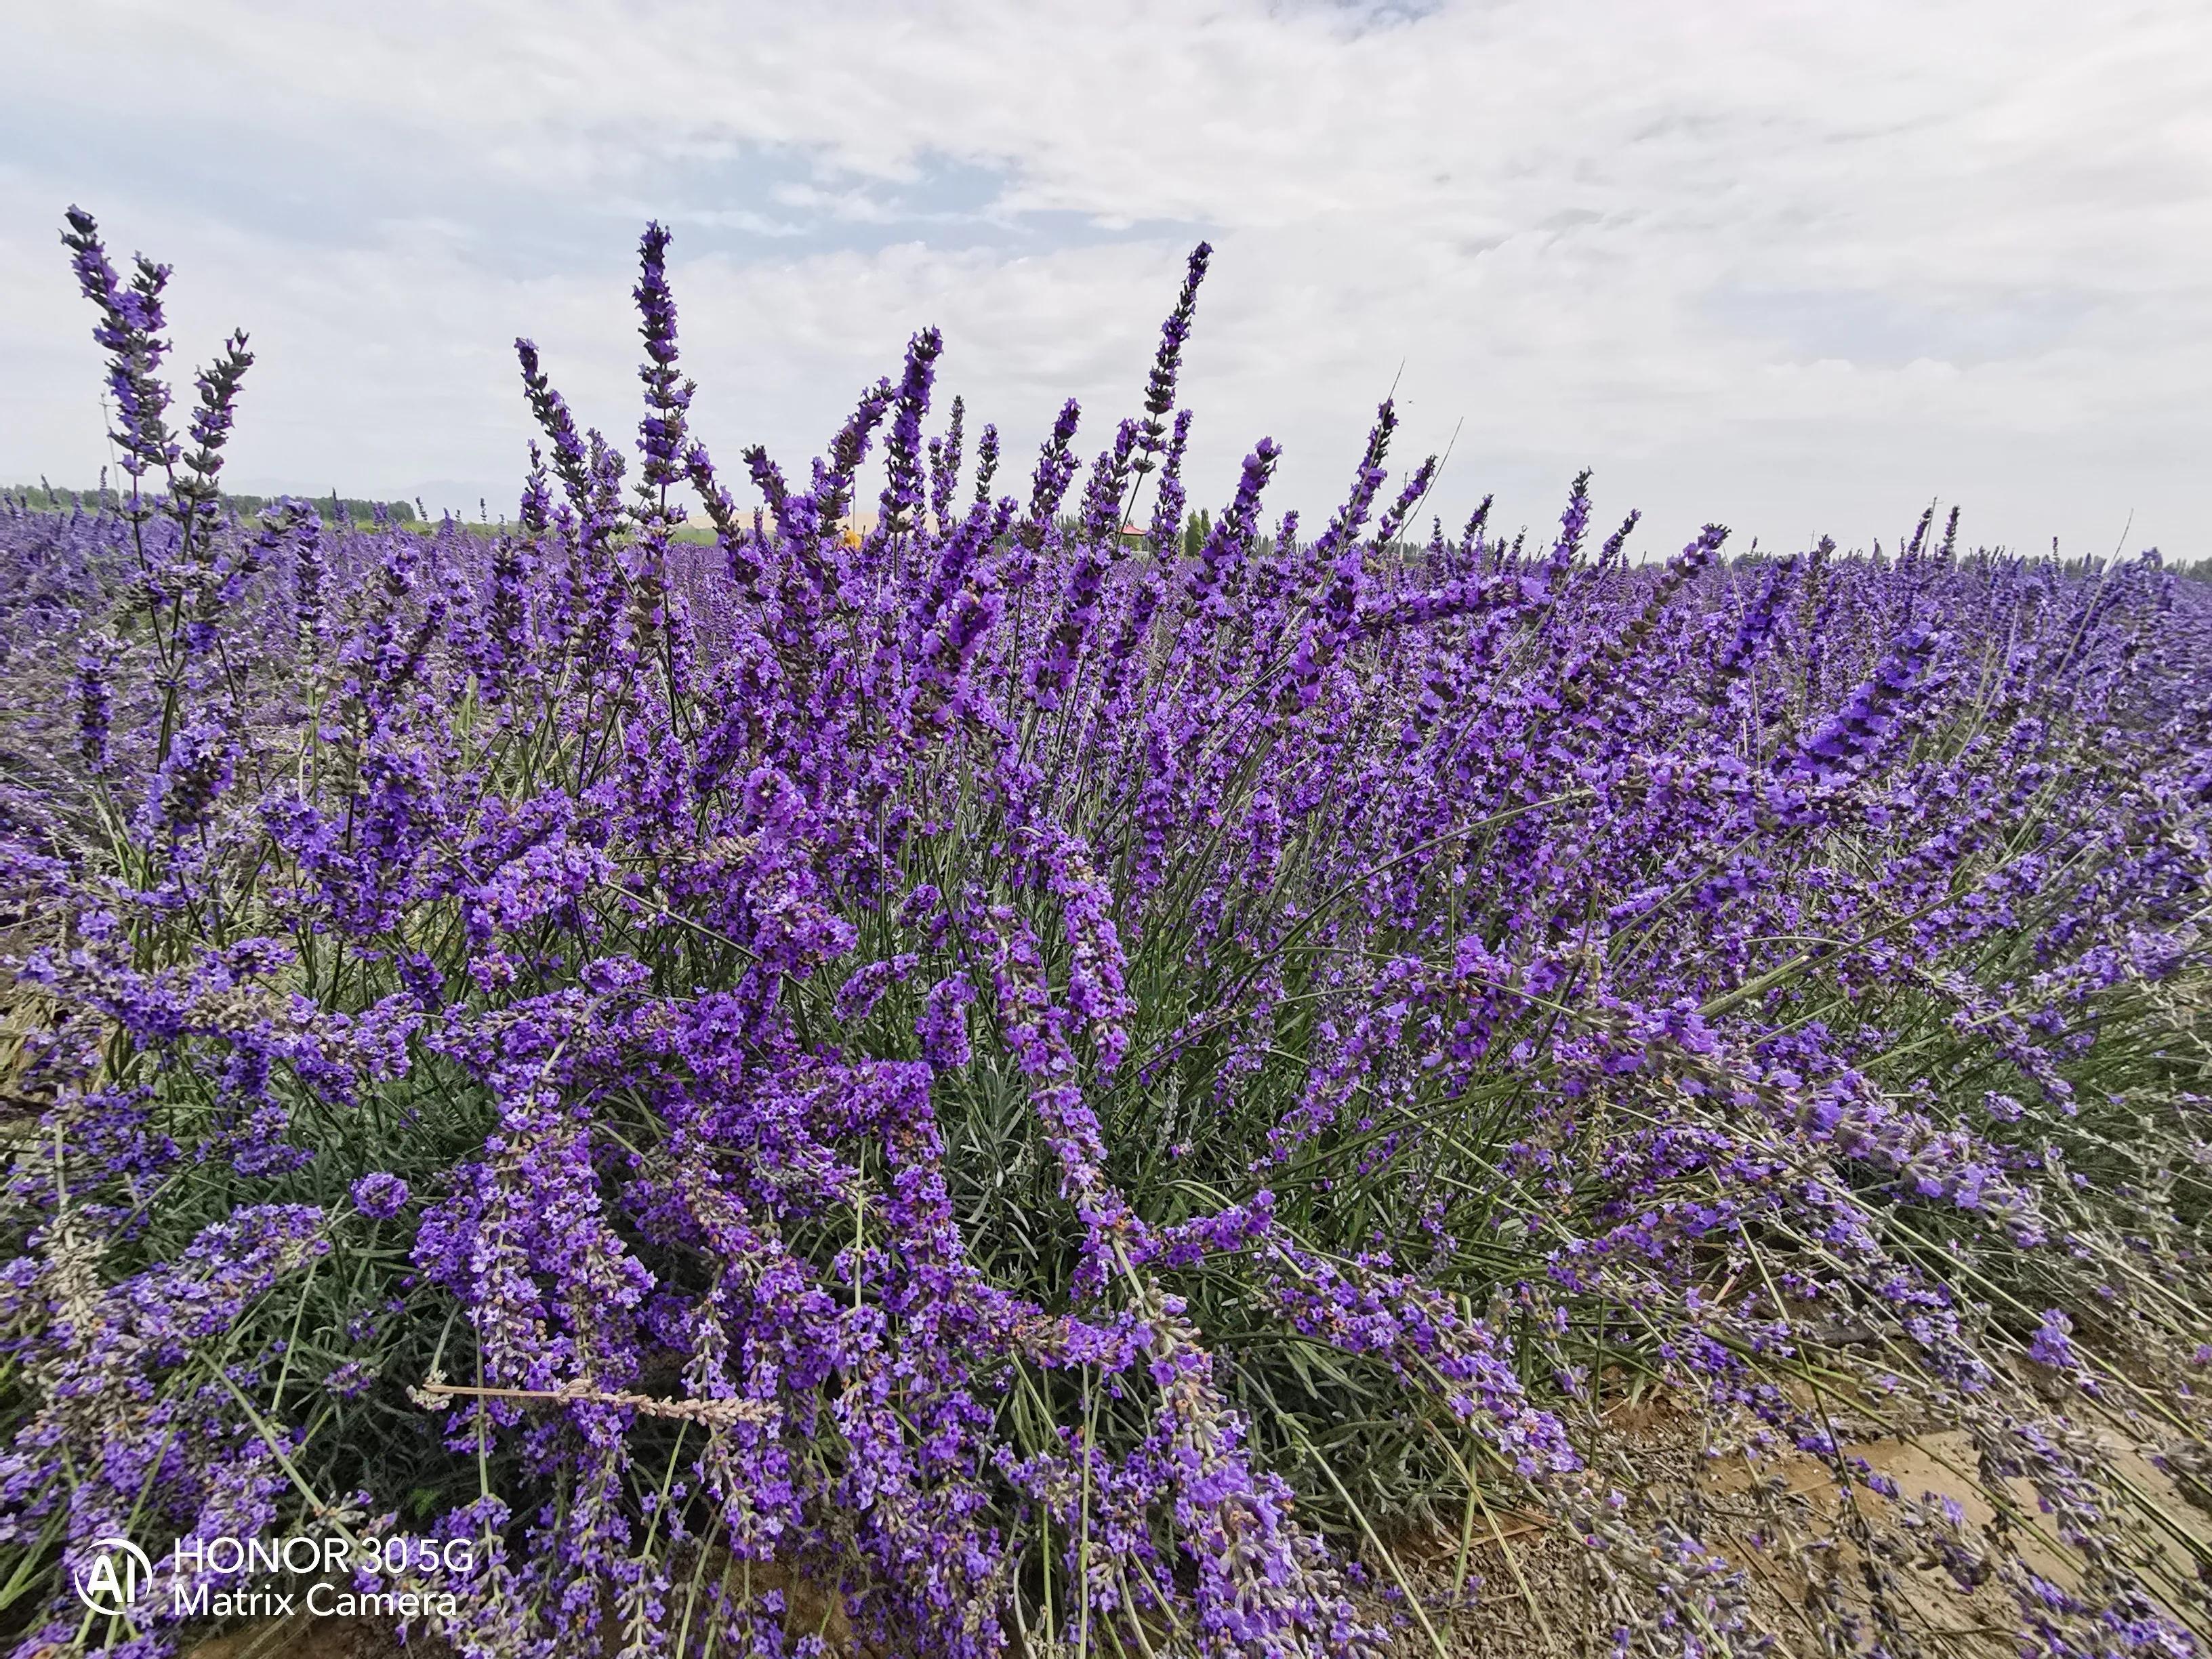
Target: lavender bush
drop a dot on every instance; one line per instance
(994, 1090)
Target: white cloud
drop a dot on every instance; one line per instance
(1798, 267)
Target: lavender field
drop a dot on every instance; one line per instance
(996, 1086)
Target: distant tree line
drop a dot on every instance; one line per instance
(44, 498)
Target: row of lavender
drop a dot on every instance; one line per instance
(1041, 1096)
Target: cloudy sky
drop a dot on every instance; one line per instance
(1797, 267)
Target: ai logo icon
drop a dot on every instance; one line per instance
(111, 1580)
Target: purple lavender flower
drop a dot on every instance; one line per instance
(661, 437)
(1851, 739)
(903, 498)
(2052, 1344)
(200, 765)
(130, 331)
(987, 461)
(380, 1196)
(95, 699)
(1160, 388)
(1055, 471)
